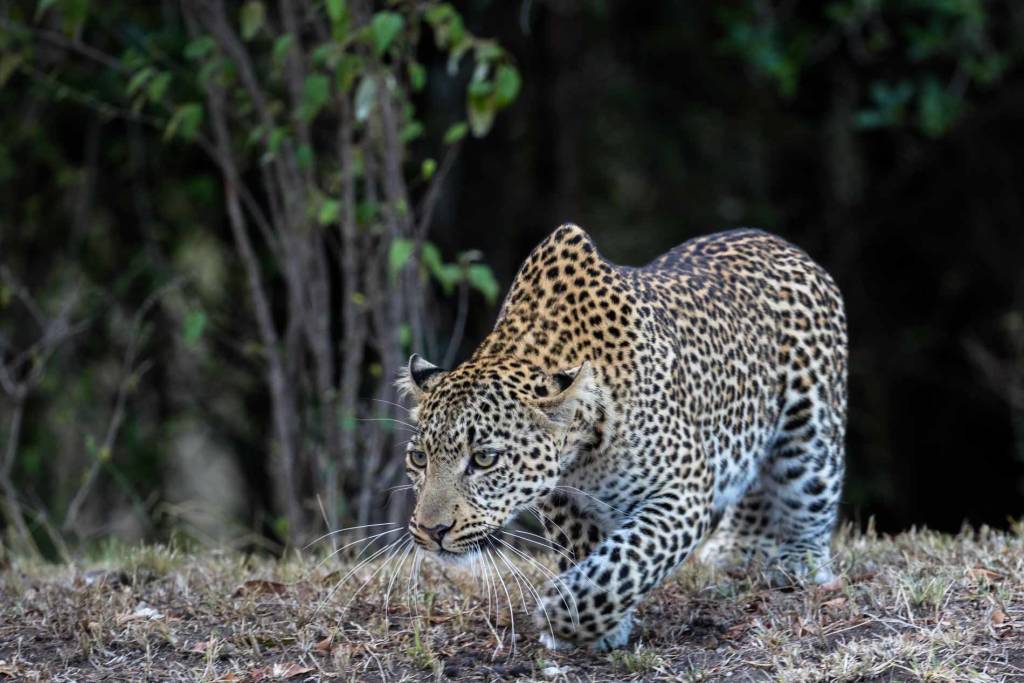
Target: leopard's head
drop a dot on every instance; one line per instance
(492, 438)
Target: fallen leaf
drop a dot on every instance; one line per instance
(734, 632)
(439, 619)
(142, 611)
(279, 672)
(863, 576)
(977, 573)
(833, 585)
(260, 587)
(202, 646)
(102, 577)
(11, 669)
(324, 645)
(834, 602)
(553, 671)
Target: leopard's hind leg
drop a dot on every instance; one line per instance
(744, 536)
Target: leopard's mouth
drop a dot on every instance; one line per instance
(464, 549)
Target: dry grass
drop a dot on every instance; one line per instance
(919, 606)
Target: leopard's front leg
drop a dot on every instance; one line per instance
(632, 559)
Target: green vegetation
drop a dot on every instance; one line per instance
(299, 122)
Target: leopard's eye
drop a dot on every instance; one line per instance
(484, 459)
(418, 459)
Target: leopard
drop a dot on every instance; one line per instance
(693, 406)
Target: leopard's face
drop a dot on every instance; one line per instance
(488, 444)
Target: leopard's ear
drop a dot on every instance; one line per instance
(418, 377)
(579, 389)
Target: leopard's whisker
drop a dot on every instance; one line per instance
(550, 544)
(486, 573)
(543, 543)
(544, 520)
(523, 579)
(383, 565)
(392, 403)
(413, 586)
(556, 581)
(591, 497)
(348, 528)
(570, 560)
(500, 554)
(508, 598)
(394, 575)
(355, 569)
(368, 540)
(408, 427)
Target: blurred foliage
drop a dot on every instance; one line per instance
(175, 95)
(929, 55)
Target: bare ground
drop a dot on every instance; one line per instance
(918, 606)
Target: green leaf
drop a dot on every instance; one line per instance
(506, 85)
(449, 31)
(347, 71)
(282, 46)
(199, 48)
(366, 212)
(398, 255)
(43, 6)
(336, 10)
(157, 87)
(455, 132)
(185, 121)
(338, 14)
(139, 79)
(449, 275)
(329, 211)
(73, 14)
(315, 93)
(252, 16)
(482, 278)
(366, 98)
(9, 63)
(428, 168)
(195, 323)
(274, 141)
(488, 51)
(481, 111)
(384, 27)
(411, 131)
(430, 255)
(480, 88)
(938, 110)
(304, 155)
(439, 13)
(869, 119)
(417, 76)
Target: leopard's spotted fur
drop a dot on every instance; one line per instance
(635, 408)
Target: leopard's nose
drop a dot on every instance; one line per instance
(437, 532)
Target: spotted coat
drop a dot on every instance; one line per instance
(636, 410)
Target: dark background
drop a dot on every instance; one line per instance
(637, 126)
(647, 124)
